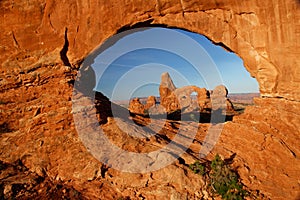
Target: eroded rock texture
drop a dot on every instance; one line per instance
(42, 41)
(263, 34)
(135, 106)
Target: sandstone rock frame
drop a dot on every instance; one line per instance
(39, 36)
(76, 28)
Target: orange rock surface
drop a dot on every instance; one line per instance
(136, 107)
(44, 41)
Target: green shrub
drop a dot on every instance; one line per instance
(221, 178)
(198, 168)
(225, 181)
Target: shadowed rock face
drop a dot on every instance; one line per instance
(39, 39)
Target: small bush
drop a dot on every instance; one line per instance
(225, 182)
(198, 168)
(221, 178)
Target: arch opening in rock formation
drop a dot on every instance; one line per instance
(36, 90)
(122, 69)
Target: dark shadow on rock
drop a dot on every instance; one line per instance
(4, 128)
(202, 117)
(105, 108)
(230, 159)
(85, 84)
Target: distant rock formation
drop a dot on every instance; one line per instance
(136, 107)
(173, 99)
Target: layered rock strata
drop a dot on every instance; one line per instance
(42, 43)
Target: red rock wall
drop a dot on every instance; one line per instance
(36, 119)
(263, 33)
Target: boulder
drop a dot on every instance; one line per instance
(136, 107)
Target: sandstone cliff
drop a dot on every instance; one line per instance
(43, 41)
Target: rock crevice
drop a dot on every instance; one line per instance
(64, 50)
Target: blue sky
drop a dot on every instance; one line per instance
(132, 66)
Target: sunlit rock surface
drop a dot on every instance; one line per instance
(42, 43)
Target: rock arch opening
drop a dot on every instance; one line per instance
(135, 61)
(176, 62)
